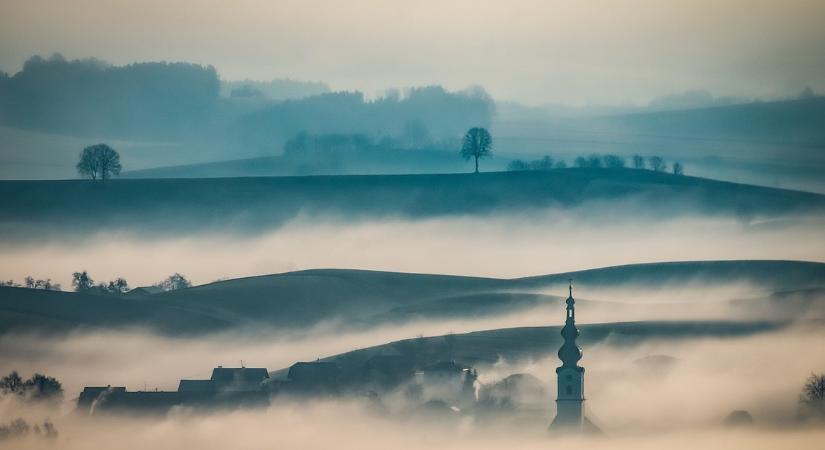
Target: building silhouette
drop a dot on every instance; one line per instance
(570, 410)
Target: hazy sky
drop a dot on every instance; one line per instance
(534, 51)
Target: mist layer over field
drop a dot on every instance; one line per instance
(637, 406)
(494, 246)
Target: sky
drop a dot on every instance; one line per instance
(532, 51)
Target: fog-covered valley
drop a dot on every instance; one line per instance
(453, 224)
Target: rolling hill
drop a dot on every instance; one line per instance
(357, 298)
(524, 344)
(169, 206)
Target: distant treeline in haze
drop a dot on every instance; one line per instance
(173, 101)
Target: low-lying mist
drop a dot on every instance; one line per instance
(636, 404)
(495, 246)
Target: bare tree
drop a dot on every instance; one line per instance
(477, 144)
(638, 162)
(678, 168)
(657, 164)
(99, 162)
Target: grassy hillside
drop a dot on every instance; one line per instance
(532, 343)
(359, 298)
(187, 205)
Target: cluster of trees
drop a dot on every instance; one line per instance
(278, 89)
(598, 161)
(174, 282)
(305, 143)
(417, 116)
(82, 281)
(544, 163)
(19, 428)
(415, 136)
(91, 97)
(38, 388)
(183, 102)
(31, 283)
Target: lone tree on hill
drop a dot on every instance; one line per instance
(657, 164)
(99, 162)
(678, 168)
(638, 162)
(477, 144)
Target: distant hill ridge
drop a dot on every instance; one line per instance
(189, 205)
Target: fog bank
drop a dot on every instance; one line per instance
(494, 246)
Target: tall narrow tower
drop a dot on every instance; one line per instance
(570, 376)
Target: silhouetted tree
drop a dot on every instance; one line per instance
(81, 281)
(657, 164)
(518, 165)
(477, 144)
(594, 161)
(638, 162)
(37, 388)
(43, 388)
(46, 284)
(545, 163)
(174, 282)
(9, 283)
(99, 162)
(561, 165)
(580, 162)
(19, 429)
(812, 397)
(118, 286)
(678, 168)
(11, 383)
(614, 161)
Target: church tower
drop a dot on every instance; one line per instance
(570, 377)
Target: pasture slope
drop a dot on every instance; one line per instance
(174, 206)
(358, 298)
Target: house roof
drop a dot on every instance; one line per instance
(196, 386)
(145, 290)
(239, 374)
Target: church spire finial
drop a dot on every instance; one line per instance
(570, 280)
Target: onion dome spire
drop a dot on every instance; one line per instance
(570, 353)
